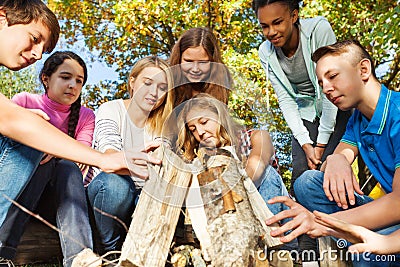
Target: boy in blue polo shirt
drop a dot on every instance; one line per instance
(347, 76)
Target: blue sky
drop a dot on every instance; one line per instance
(97, 70)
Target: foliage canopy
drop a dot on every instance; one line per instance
(124, 31)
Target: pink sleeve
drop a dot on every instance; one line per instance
(20, 99)
(85, 127)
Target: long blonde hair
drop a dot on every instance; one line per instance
(229, 130)
(220, 81)
(157, 116)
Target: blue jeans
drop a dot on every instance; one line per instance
(116, 195)
(56, 192)
(310, 194)
(17, 165)
(272, 186)
(299, 159)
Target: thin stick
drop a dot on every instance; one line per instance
(113, 217)
(37, 216)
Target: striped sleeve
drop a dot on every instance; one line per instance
(107, 135)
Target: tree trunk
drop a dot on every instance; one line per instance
(156, 215)
(235, 213)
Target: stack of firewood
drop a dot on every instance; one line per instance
(229, 215)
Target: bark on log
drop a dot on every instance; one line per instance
(235, 212)
(156, 215)
(236, 228)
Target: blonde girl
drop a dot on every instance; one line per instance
(205, 121)
(128, 124)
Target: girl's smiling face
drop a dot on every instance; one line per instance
(195, 64)
(149, 88)
(65, 85)
(277, 23)
(205, 127)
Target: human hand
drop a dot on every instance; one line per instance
(40, 113)
(302, 222)
(153, 145)
(312, 160)
(138, 167)
(319, 150)
(363, 239)
(46, 158)
(340, 182)
(133, 162)
(338, 228)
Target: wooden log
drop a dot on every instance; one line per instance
(87, 258)
(234, 213)
(236, 229)
(156, 215)
(39, 244)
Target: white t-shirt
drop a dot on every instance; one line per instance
(114, 130)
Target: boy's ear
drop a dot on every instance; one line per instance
(3, 19)
(365, 68)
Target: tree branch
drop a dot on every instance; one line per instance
(394, 71)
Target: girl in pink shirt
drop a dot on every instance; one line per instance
(56, 189)
(74, 120)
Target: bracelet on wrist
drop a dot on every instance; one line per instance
(320, 146)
